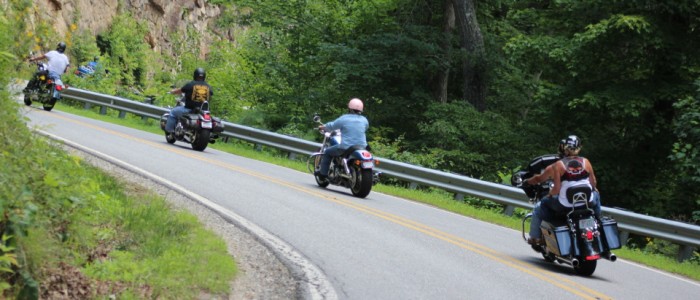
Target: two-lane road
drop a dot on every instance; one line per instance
(381, 247)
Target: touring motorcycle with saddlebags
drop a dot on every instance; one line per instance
(578, 239)
(353, 169)
(198, 128)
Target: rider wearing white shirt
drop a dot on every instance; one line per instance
(58, 64)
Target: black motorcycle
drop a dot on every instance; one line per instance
(198, 128)
(352, 169)
(45, 89)
(578, 238)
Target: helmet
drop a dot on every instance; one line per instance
(572, 142)
(200, 74)
(61, 47)
(356, 104)
(562, 145)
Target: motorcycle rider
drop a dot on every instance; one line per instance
(58, 64)
(196, 92)
(555, 203)
(353, 126)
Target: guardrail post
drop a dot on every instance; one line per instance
(103, 110)
(122, 114)
(624, 236)
(413, 186)
(684, 252)
(508, 210)
(459, 197)
(87, 105)
(258, 147)
(292, 155)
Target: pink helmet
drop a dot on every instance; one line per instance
(356, 104)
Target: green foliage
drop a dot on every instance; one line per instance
(125, 44)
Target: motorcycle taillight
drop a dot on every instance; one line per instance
(207, 117)
(59, 87)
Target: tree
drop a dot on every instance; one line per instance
(472, 42)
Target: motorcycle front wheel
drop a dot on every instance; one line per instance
(363, 182)
(27, 99)
(316, 159)
(170, 138)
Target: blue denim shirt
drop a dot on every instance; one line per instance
(352, 129)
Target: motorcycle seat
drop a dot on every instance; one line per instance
(352, 149)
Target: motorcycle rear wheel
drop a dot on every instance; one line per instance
(48, 106)
(586, 268)
(201, 139)
(363, 182)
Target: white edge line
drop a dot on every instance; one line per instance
(317, 284)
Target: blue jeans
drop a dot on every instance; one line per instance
(56, 79)
(327, 156)
(548, 208)
(175, 114)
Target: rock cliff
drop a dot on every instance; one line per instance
(163, 17)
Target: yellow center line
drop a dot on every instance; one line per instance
(545, 275)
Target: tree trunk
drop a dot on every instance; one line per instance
(446, 46)
(472, 42)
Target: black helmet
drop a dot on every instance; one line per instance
(200, 74)
(572, 143)
(562, 145)
(61, 47)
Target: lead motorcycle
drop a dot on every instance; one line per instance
(577, 239)
(353, 169)
(46, 90)
(198, 128)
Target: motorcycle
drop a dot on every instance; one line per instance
(46, 90)
(198, 128)
(578, 239)
(353, 169)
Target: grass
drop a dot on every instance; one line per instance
(85, 233)
(475, 208)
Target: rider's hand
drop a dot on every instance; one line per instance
(322, 127)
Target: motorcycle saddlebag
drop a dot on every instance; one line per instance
(611, 234)
(218, 125)
(558, 239)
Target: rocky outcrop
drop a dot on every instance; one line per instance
(163, 18)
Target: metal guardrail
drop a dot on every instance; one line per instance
(686, 235)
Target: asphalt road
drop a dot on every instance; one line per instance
(380, 247)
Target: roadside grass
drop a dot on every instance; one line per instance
(471, 207)
(82, 232)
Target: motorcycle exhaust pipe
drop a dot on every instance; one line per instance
(575, 262)
(610, 256)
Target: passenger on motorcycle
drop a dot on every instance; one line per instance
(353, 126)
(196, 92)
(58, 64)
(571, 170)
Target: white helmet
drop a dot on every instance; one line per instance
(356, 104)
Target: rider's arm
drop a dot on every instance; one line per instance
(547, 174)
(37, 58)
(176, 91)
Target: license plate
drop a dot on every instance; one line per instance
(206, 125)
(586, 223)
(367, 164)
